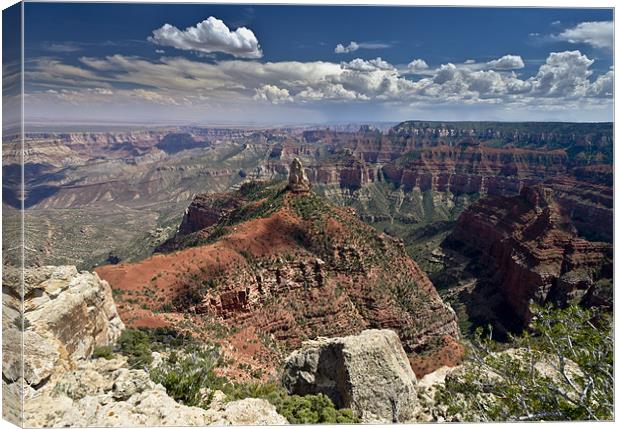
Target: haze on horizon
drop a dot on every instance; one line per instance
(235, 64)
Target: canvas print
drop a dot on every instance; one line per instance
(218, 214)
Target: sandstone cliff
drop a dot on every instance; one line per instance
(532, 251)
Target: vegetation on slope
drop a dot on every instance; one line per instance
(189, 372)
(562, 369)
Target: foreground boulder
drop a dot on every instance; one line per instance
(66, 315)
(368, 373)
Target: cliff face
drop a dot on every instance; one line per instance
(206, 210)
(435, 159)
(292, 266)
(532, 250)
(475, 169)
(589, 206)
(66, 315)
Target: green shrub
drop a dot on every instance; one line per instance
(310, 409)
(269, 391)
(103, 352)
(136, 345)
(575, 345)
(184, 377)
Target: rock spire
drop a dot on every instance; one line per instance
(297, 180)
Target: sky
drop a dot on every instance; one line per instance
(191, 63)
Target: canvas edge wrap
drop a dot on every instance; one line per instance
(12, 215)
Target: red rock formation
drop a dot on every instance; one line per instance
(294, 267)
(532, 249)
(589, 205)
(206, 210)
(353, 160)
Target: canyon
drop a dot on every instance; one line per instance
(120, 196)
(414, 173)
(285, 245)
(533, 254)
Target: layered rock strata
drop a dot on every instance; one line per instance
(532, 250)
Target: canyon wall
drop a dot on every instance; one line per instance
(532, 250)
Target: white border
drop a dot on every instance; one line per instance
(479, 3)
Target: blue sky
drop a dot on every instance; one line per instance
(288, 64)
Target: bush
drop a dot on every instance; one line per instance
(309, 409)
(574, 345)
(312, 409)
(103, 352)
(269, 391)
(185, 377)
(136, 345)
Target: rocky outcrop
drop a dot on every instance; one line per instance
(206, 210)
(246, 412)
(103, 393)
(294, 267)
(368, 373)
(66, 315)
(589, 206)
(532, 251)
(297, 179)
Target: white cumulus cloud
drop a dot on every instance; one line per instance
(564, 74)
(208, 36)
(599, 34)
(417, 65)
(354, 46)
(272, 94)
(351, 47)
(507, 62)
(329, 92)
(359, 64)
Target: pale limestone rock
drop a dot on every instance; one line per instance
(129, 382)
(249, 411)
(105, 393)
(41, 356)
(67, 314)
(78, 384)
(369, 373)
(11, 353)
